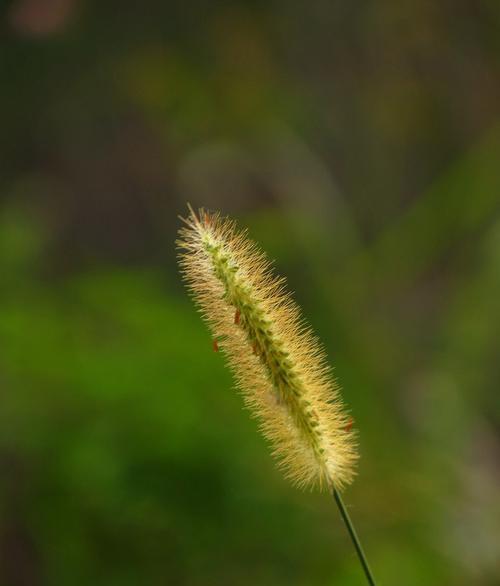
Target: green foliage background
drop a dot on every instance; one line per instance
(360, 144)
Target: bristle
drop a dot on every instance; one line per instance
(278, 363)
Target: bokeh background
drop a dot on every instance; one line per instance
(360, 144)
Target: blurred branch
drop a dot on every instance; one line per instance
(454, 207)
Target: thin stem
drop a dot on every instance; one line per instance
(354, 537)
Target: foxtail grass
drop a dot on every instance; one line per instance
(278, 363)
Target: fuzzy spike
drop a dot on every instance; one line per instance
(278, 363)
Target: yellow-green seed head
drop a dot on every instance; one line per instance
(278, 363)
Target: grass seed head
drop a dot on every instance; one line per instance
(278, 363)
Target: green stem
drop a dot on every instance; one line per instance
(354, 537)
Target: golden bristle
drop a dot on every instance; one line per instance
(278, 363)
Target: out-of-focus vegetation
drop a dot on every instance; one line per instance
(361, 145)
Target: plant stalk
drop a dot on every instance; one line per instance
(354, 537)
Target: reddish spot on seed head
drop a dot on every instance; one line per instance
(349, 424)
(216, 346)
(237, 316)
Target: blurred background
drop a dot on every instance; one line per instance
(360, 144)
